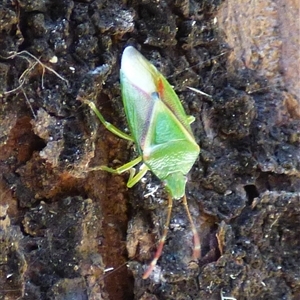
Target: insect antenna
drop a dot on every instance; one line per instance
(162, 240)
(197, 244)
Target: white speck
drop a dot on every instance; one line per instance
(151, 192)
(227, 193)
(53, 59)
(225, 297)
(108, 270)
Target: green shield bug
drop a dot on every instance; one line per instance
(161, 131)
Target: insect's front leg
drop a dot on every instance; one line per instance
(107, 125)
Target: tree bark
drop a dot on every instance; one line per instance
(70, 233)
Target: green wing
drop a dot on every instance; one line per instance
(168, 147)
(143, 86)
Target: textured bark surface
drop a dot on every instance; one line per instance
(62, 228)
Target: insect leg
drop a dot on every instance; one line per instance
(108, 125)
(162, 240)
(133, 179)
(197, 244)
(191, 119)
(119, 170)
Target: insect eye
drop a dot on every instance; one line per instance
(155, 95)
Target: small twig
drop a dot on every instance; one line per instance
(199, 92)
(29, 104)
(23, 54)
(32, 62)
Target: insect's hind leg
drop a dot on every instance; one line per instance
(133, 179)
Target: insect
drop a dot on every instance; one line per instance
(161, 131)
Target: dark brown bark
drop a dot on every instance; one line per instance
(62, 226)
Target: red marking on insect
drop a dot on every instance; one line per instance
(160, 87)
